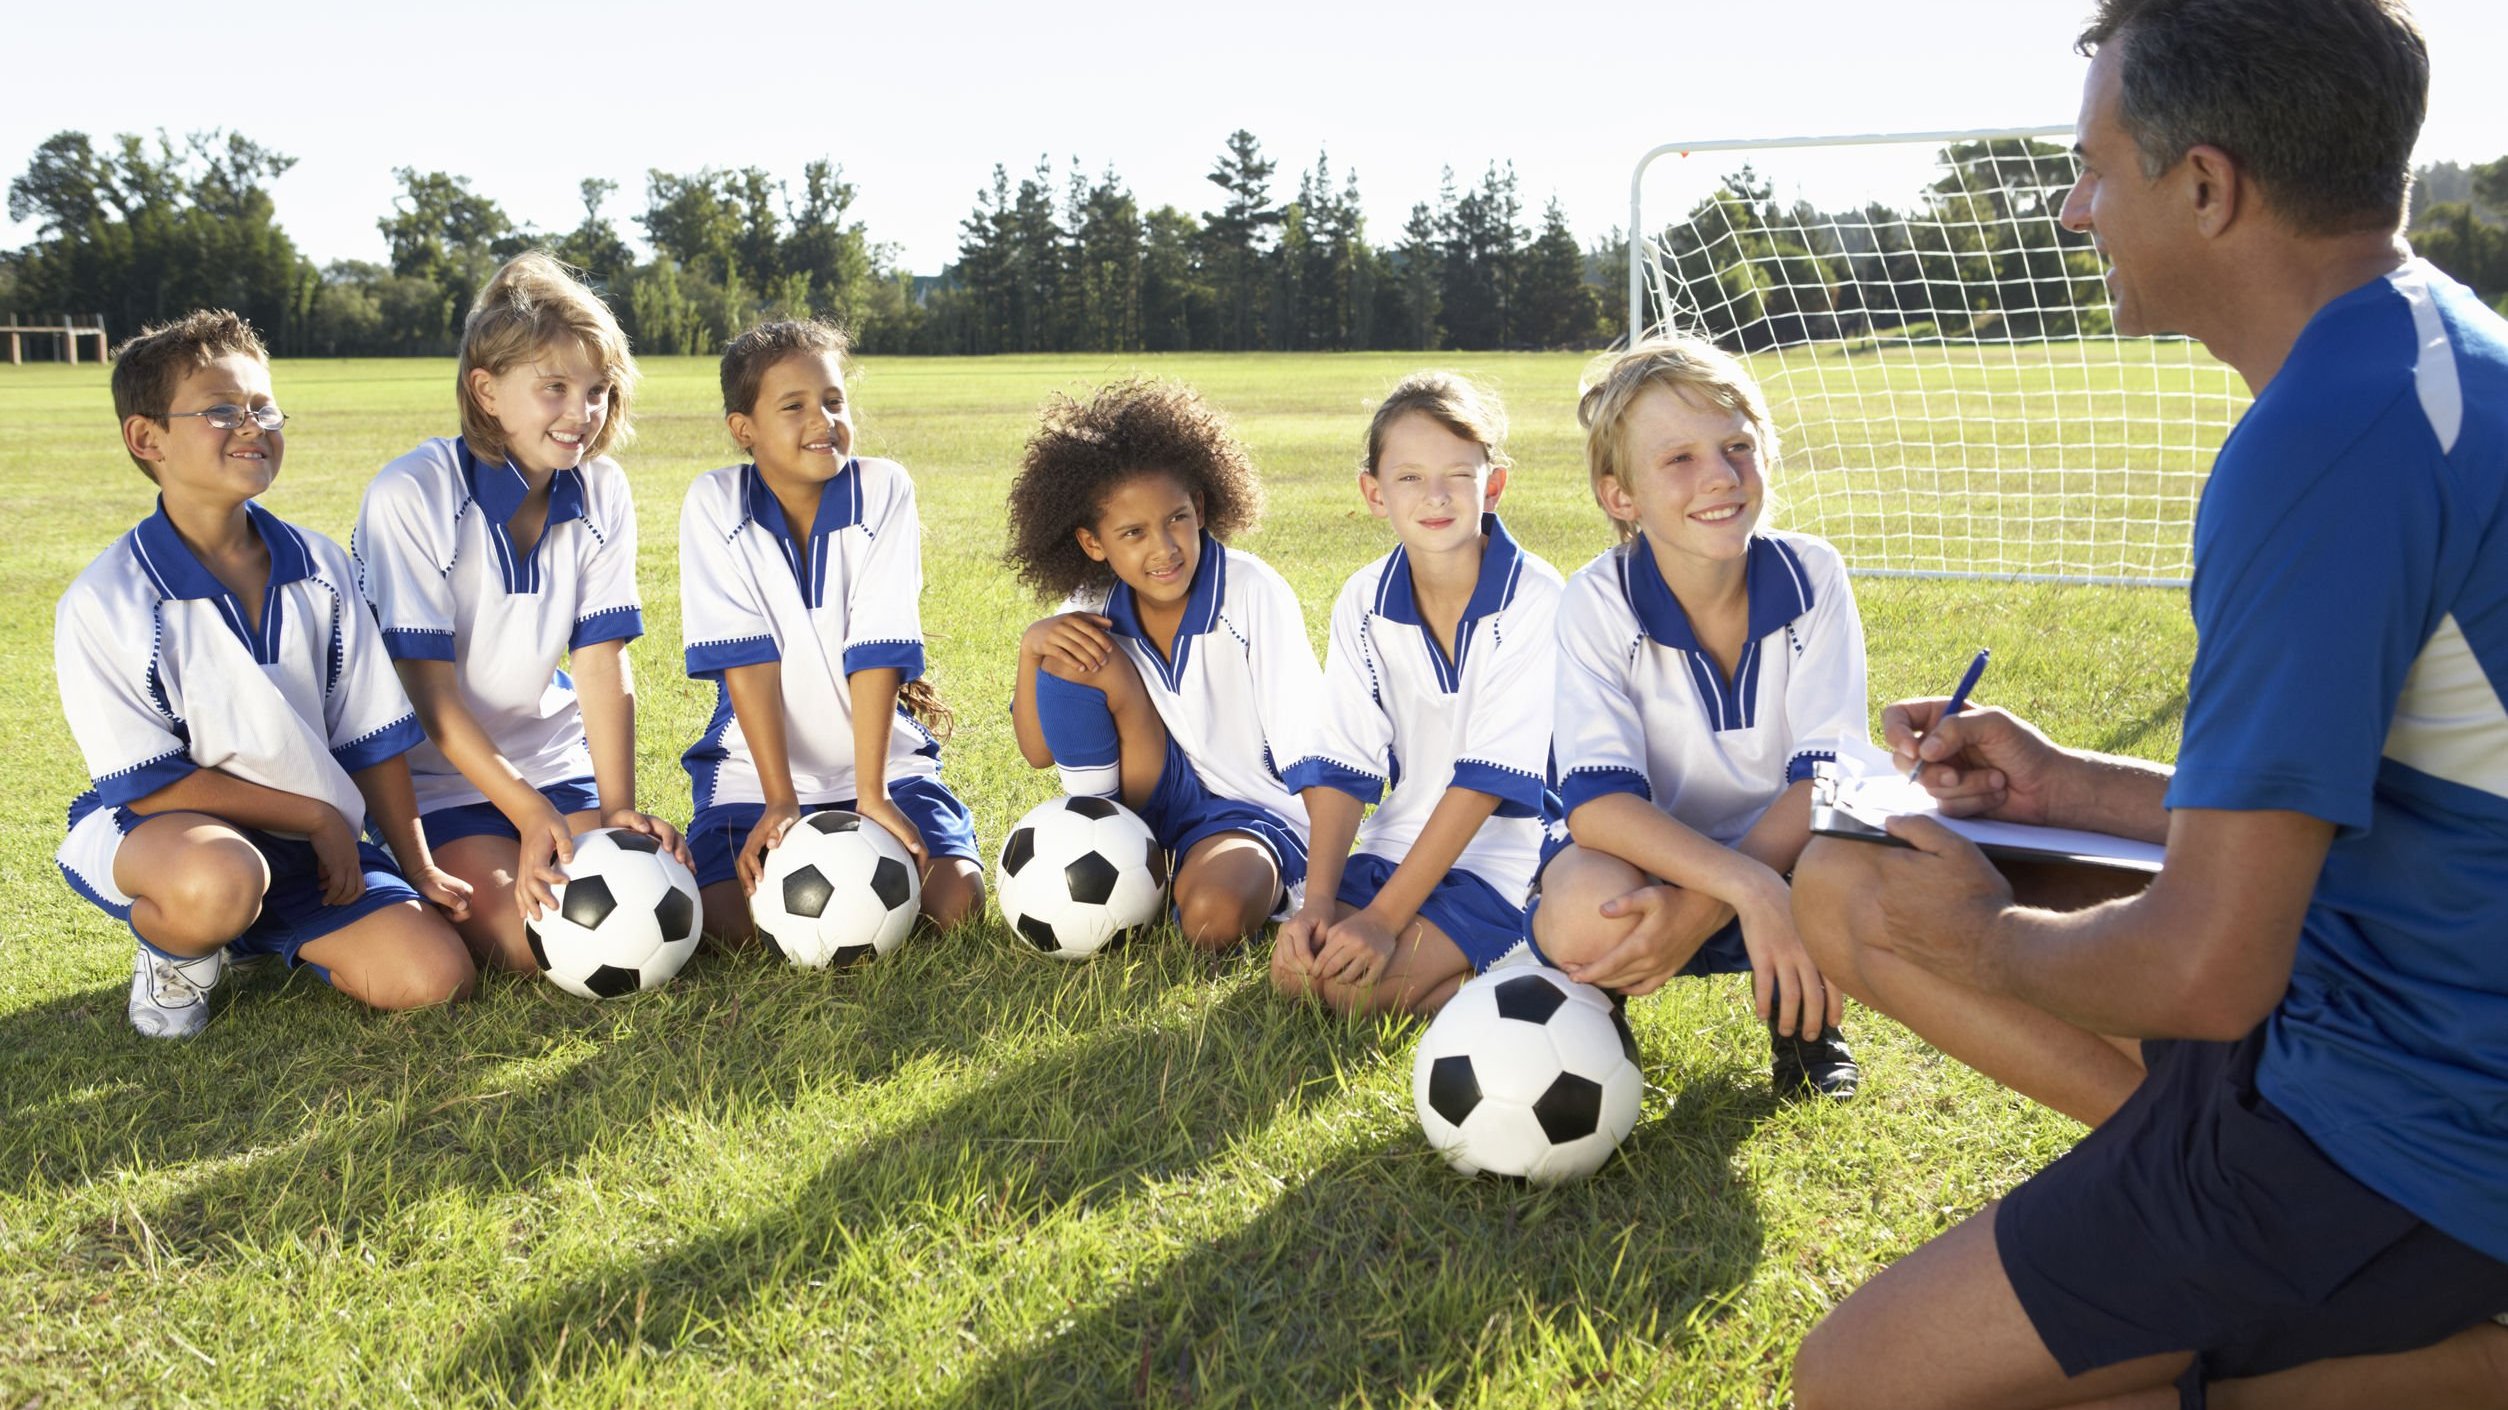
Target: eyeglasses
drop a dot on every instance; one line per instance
(226, 416)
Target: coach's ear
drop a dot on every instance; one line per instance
(2215, 183)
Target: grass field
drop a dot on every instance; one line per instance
(964, 1176)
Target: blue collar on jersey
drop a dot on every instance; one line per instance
(1501, 564)
(840, 508)
(175, 571)
(1201, 608)
(501, 489)
(1779, 589)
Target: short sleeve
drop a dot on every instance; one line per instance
(722, 617)
(1827, 709)
(365, 713)
(1600, 739)
(1353, 731)
(404, 555)
(1505, 749)
(2308, 616)
(884, 617)
(1287, 682)
(610, 608)
(128, 737)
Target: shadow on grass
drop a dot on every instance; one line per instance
(2121, 738)
(300, 1115)
(1078, 1130)
(1388, 1279)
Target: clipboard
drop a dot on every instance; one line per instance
(1855, 809)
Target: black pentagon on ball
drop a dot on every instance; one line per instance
(1018, 851)
(1628, 1040)
(676, 914)
(806, 892)
(1452, 1089)
(847, 956)
(1529, 998)
(1039, 933)
(609, 981)
(1572, 1108)
(1157, 863)
(588, 902)
(539, 952)
(774, 944)
(626, 841)
(1089, 807)
(1091, 879)
(835, 820)
(891, 882)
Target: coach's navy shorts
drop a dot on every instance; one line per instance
(1182, 811)
(715, 833)
(569, 796)
(2198, 1218)
(1480, 922)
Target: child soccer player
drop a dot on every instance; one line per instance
(1177, 675)
(492, 556)
(1705, 665)
(800, 579)
(1438, 682)
(239, 723)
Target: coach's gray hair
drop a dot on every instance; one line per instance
(2318, 100)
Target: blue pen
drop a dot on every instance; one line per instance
(1959, 700)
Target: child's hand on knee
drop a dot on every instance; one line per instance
(769, 833)
(884, 811)
(449, 893)
(1356, 950)
(1294, 949)
(654, 828)
(1082, 641)
(1671, 923)
(543, 846)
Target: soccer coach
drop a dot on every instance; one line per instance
(2293, 1046)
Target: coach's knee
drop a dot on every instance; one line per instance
(1829, 881)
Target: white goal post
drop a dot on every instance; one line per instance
(1949, 396)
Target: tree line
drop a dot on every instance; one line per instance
(140, 230)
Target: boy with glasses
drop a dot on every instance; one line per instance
(238, 717)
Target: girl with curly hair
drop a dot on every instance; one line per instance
(1176, 675)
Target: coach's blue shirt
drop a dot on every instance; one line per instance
(2351, 608)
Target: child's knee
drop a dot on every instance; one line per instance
(495, 939)
(953, 890)
(211, 895)
(728, 920)
(1569, 924)
(1215, 916)
(421, 964)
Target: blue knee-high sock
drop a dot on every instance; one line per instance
(1080, 730)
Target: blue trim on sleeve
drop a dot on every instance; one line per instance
(417, 644)
(1799, 767)
(1582, 786)
(376, 746)
(609, 624)
(712, 658)
(1313, 772)
(139, 780)
(1518, 793)
(901, 654)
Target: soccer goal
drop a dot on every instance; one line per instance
(1950, 396)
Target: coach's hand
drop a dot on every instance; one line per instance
(1939, 899)
(1981, 762)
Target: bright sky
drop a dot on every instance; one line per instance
(918, 102)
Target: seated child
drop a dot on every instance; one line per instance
(800, 581)
(491, 558)
(1437, 686)
(1705, 665)
(1177, 675)
(237, 716)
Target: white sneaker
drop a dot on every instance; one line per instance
(170, 996)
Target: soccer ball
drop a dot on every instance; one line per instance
(836, 891)
(1527, 1072)
(626, 918)
(1077, 874)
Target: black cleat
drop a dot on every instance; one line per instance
(1802, 1067)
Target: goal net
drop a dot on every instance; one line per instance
(1950, 397)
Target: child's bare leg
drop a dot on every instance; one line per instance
(494, 931)
(1226, 889)
(1426, 968)
(953, 889)
(194, 882)
(400, 957)
(727, 918)
(1569, 925)
(1073, 730)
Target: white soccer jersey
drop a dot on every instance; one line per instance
(744, 600)
(448, 585)
(1643, 710)
(1240, 696)
(162, 672)
(1399, 714)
